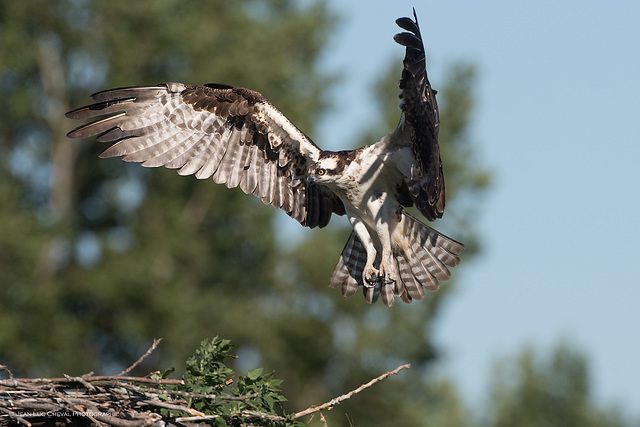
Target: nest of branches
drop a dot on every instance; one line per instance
(92, 400)
(128, 401)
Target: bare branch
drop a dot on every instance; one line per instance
(81, 381)
(181, 393)
(171, 406)
(262, 415)
(196, 419)
(4, 368)
(15, 416)
(98, 378)
(156, 341)
(340, 399)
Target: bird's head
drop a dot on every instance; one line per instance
(326, 171)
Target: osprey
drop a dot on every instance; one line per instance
(237, 137)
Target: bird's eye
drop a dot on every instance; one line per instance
(321, 171)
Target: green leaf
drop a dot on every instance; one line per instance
(254, 373)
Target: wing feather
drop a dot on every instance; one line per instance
(263, 191)
(251, 171)
(237, 174)
(232, 134)
(166, 152)
(419, 109)
(190, 156)
(210, 159)
(225, 167)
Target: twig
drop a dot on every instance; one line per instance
(88, 415)
(196, 419)
(15, 416)
(340, 399)
(166, 405)
(156, 341)
(101, 417)
(245, 413)
(147, 390)
(349, 419)
(211, 396)
(99, 378)
(119, 422)
(4, 368)
(133, 379)
(78, 405)
(80, 380)
(262, 415)
(21, 383)
(323, 419)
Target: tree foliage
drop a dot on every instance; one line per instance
(207, 373)
(106, 254)
(554, 389)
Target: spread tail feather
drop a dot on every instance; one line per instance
(422, 264)
(348, 272)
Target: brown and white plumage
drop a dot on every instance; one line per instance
(237, 137)
(421, 265)
(231, 134)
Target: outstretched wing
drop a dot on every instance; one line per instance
(232, 134)
(420, 111)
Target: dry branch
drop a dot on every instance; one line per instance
(156, 341)
(101, 378)
(340, 399)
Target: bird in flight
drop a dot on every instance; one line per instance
(237, 137)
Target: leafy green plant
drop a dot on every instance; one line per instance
(210, 387)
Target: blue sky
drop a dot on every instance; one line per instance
(556, 121)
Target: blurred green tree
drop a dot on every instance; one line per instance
(547, 390)
(88, 271)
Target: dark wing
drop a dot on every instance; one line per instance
(232, 134)
(420, 112)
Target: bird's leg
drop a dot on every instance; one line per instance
(379, 207)
(370, 273)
